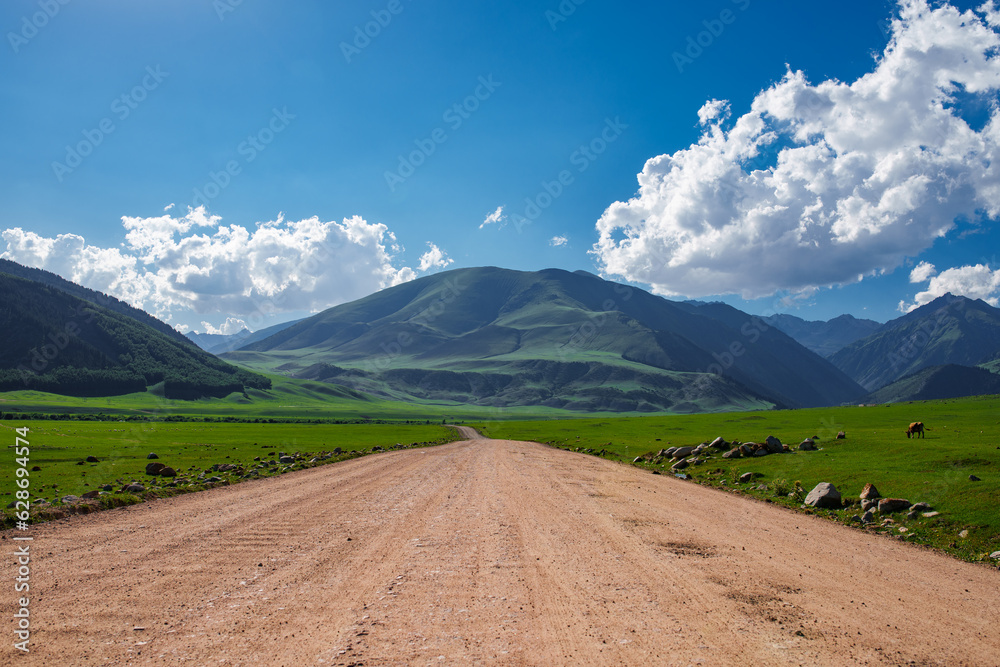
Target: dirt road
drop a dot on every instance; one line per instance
(484, 552)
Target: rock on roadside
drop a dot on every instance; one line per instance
(824, 494)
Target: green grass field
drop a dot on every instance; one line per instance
(963, 439)
(288, 399)
(59, 447)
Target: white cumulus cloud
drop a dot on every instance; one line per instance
(557, 241)
(975, 282)
(435, 258)
(193, 263)
(823, 184)
(495, 218)
(232, 325)
(922, 272)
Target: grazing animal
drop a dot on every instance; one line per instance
(916, 428)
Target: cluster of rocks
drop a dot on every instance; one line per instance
(826, 495)
(771, 445)
(683, 457)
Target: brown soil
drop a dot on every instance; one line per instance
(488, 551)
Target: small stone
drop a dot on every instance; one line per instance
(93, 459)
(719, 443)
(70, 499)
(286, 459)
(107, 487)
(841, 436)
(683, 452)
(134, 488)
(637, 459)
(856, 519)
(995, 555)
(680, 465)
(154, 468)
(870, 492)
(903, 529)
(746, 477)
(151, 455)
(964, 534)
(912, 514)
(90, 495)
(868, 517)
(35, 469)
(930, 515)
(868, 504)
(168, 472)
(807, 445)
(761, 452)
(973, 478)
(920, 507)
(733, 454)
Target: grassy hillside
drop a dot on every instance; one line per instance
(60, 343)
(491, 322)
(937, 382)
(963, 439)
(91, 296)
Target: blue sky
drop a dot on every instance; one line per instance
(331, 162)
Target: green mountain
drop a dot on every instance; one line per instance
(949, 330)
(824, 338)
(491, 336)
(97, 298)
(57, 342)
(937, 382)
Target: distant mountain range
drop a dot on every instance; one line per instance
(824, 338)
(222, 343)
(949, 330)
(61, 338)
(491, 336)
(495, 337)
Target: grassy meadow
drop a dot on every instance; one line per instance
(963, 439)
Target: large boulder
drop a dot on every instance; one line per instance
(887, 505)
(733, 454)
(719, 443)
(134, 488)
(680, 465)
(807, 445)
(824, 494)
(747, 448)
(773, 445)
(167, 471)
(682, 452)
(154, 468)
(151, 455)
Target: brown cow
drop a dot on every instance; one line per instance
(915, 429)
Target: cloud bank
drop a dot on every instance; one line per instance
(975, 282)
(171, 265)
(823, 184)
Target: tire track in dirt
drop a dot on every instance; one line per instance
(489, 551)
